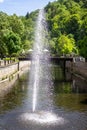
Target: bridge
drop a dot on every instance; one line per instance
(58, 60)
(62, 61)
(51, 58)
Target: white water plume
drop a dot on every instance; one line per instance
(39, 56)
(40, 87)
(42, 117)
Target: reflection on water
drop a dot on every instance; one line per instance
(70, 91)
(68, 100)
(16, 95)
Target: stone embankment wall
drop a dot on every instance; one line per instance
(79, 68)
(10, 69)
(9, 74)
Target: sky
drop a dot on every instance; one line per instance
(21, 7)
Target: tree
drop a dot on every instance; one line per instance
(53, 46)
(13, 43)
(16, 24)
(27, 15)
(67, 17)
(83, 29)
(66, 45)
(83, 47)
(3, 47)
(73, 25)
(4, 23)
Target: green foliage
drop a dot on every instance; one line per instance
(66, 45)
(27, 15)
(73, 25)
(16, 24)
(3, 47)
(67, 18)
(13, 43)
(16, 33)
(67, 25)
(4, 24)
(83, 46)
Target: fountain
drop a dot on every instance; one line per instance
(40, 79)
(39, 56)
(35, 103)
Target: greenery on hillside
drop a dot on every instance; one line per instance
(67, 22)
(16, 33)
(67, 26)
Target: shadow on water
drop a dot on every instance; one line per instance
(84, 101)
(13, 96)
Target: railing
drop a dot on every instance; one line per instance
(6, 62)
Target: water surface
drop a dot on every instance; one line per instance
(67, 99)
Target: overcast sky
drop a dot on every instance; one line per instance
(21, 7)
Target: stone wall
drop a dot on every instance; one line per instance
(11, 69)
(80, 68)
(6, 85)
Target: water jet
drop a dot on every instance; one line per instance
(40, 79)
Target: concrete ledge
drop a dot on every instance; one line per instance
(80, 68)
(7, 71)
(7, 84)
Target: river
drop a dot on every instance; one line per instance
(68, 100)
